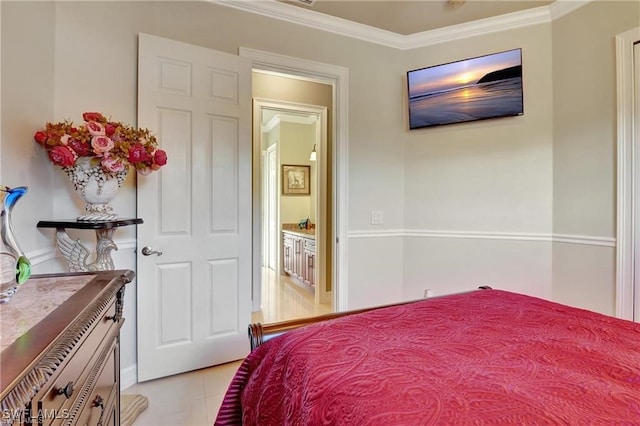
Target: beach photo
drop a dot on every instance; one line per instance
(468, 90)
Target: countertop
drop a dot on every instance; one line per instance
(309, 233)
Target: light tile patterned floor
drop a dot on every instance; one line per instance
(193, 398)
(189, 399)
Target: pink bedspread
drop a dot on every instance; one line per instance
(483, 357)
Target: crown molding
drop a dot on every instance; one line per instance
(319, 21)
(288, 118)
(559, 8)
(344, 27)
(537, 15)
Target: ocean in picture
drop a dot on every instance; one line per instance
(467, 103)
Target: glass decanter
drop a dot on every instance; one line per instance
(15, 268)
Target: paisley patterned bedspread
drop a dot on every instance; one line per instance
(482, 357)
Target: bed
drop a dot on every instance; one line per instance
(482, 357)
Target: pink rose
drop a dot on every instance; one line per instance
(160, 157)
(81, 148)
(137, 154)
(92, 116)
(62, 156)
(40, 137)
(111, 164)
(95, 129)
(101, 144)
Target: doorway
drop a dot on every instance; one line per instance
(292, 136)
(337, 79)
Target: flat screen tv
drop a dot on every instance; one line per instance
(472, 89)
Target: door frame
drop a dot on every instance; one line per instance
(269, 250)
(628, 180)
(338, 78)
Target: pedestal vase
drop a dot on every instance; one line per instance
(96, 187)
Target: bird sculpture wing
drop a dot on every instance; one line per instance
(75, 253)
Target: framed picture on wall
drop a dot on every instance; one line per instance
(295, 180)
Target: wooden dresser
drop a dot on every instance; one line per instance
(60, 353)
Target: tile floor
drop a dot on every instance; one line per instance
(189, 399)
(193, 398)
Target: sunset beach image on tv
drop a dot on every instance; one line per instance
(472, 89)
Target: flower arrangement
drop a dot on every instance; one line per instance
(114, 146)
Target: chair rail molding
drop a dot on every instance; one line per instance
(588, 240)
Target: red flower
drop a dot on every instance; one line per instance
(137, 154)
(62, 156)
(92, 116)
(81, 148)
(40, 137)
(109, 129)
(160, 157)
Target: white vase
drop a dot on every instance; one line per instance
(96, 187)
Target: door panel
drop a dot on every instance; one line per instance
(194, 300)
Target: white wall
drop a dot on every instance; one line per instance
(477, 193)
(584, 150)
(296, 142)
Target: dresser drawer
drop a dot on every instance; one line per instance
(67, 384)
(99, 406)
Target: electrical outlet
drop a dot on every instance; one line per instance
(427, 293)
(377, 217)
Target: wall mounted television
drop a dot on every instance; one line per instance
(473, 89)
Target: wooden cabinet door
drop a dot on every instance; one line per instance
(298, 257)
(309, 266)
(288, 254)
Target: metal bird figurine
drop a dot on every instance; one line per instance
(77, 254)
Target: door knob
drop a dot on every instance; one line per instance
(148, 251)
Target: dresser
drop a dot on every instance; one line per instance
(60, 353)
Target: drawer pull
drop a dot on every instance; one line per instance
(113, 318)
(99, 402)
(67, 391)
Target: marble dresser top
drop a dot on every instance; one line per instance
(35, 299)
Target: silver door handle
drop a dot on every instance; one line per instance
(148, 251)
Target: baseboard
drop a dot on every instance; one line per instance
(128, 376)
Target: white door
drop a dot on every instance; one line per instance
(194, 300)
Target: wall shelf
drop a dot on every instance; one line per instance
(77, 255)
